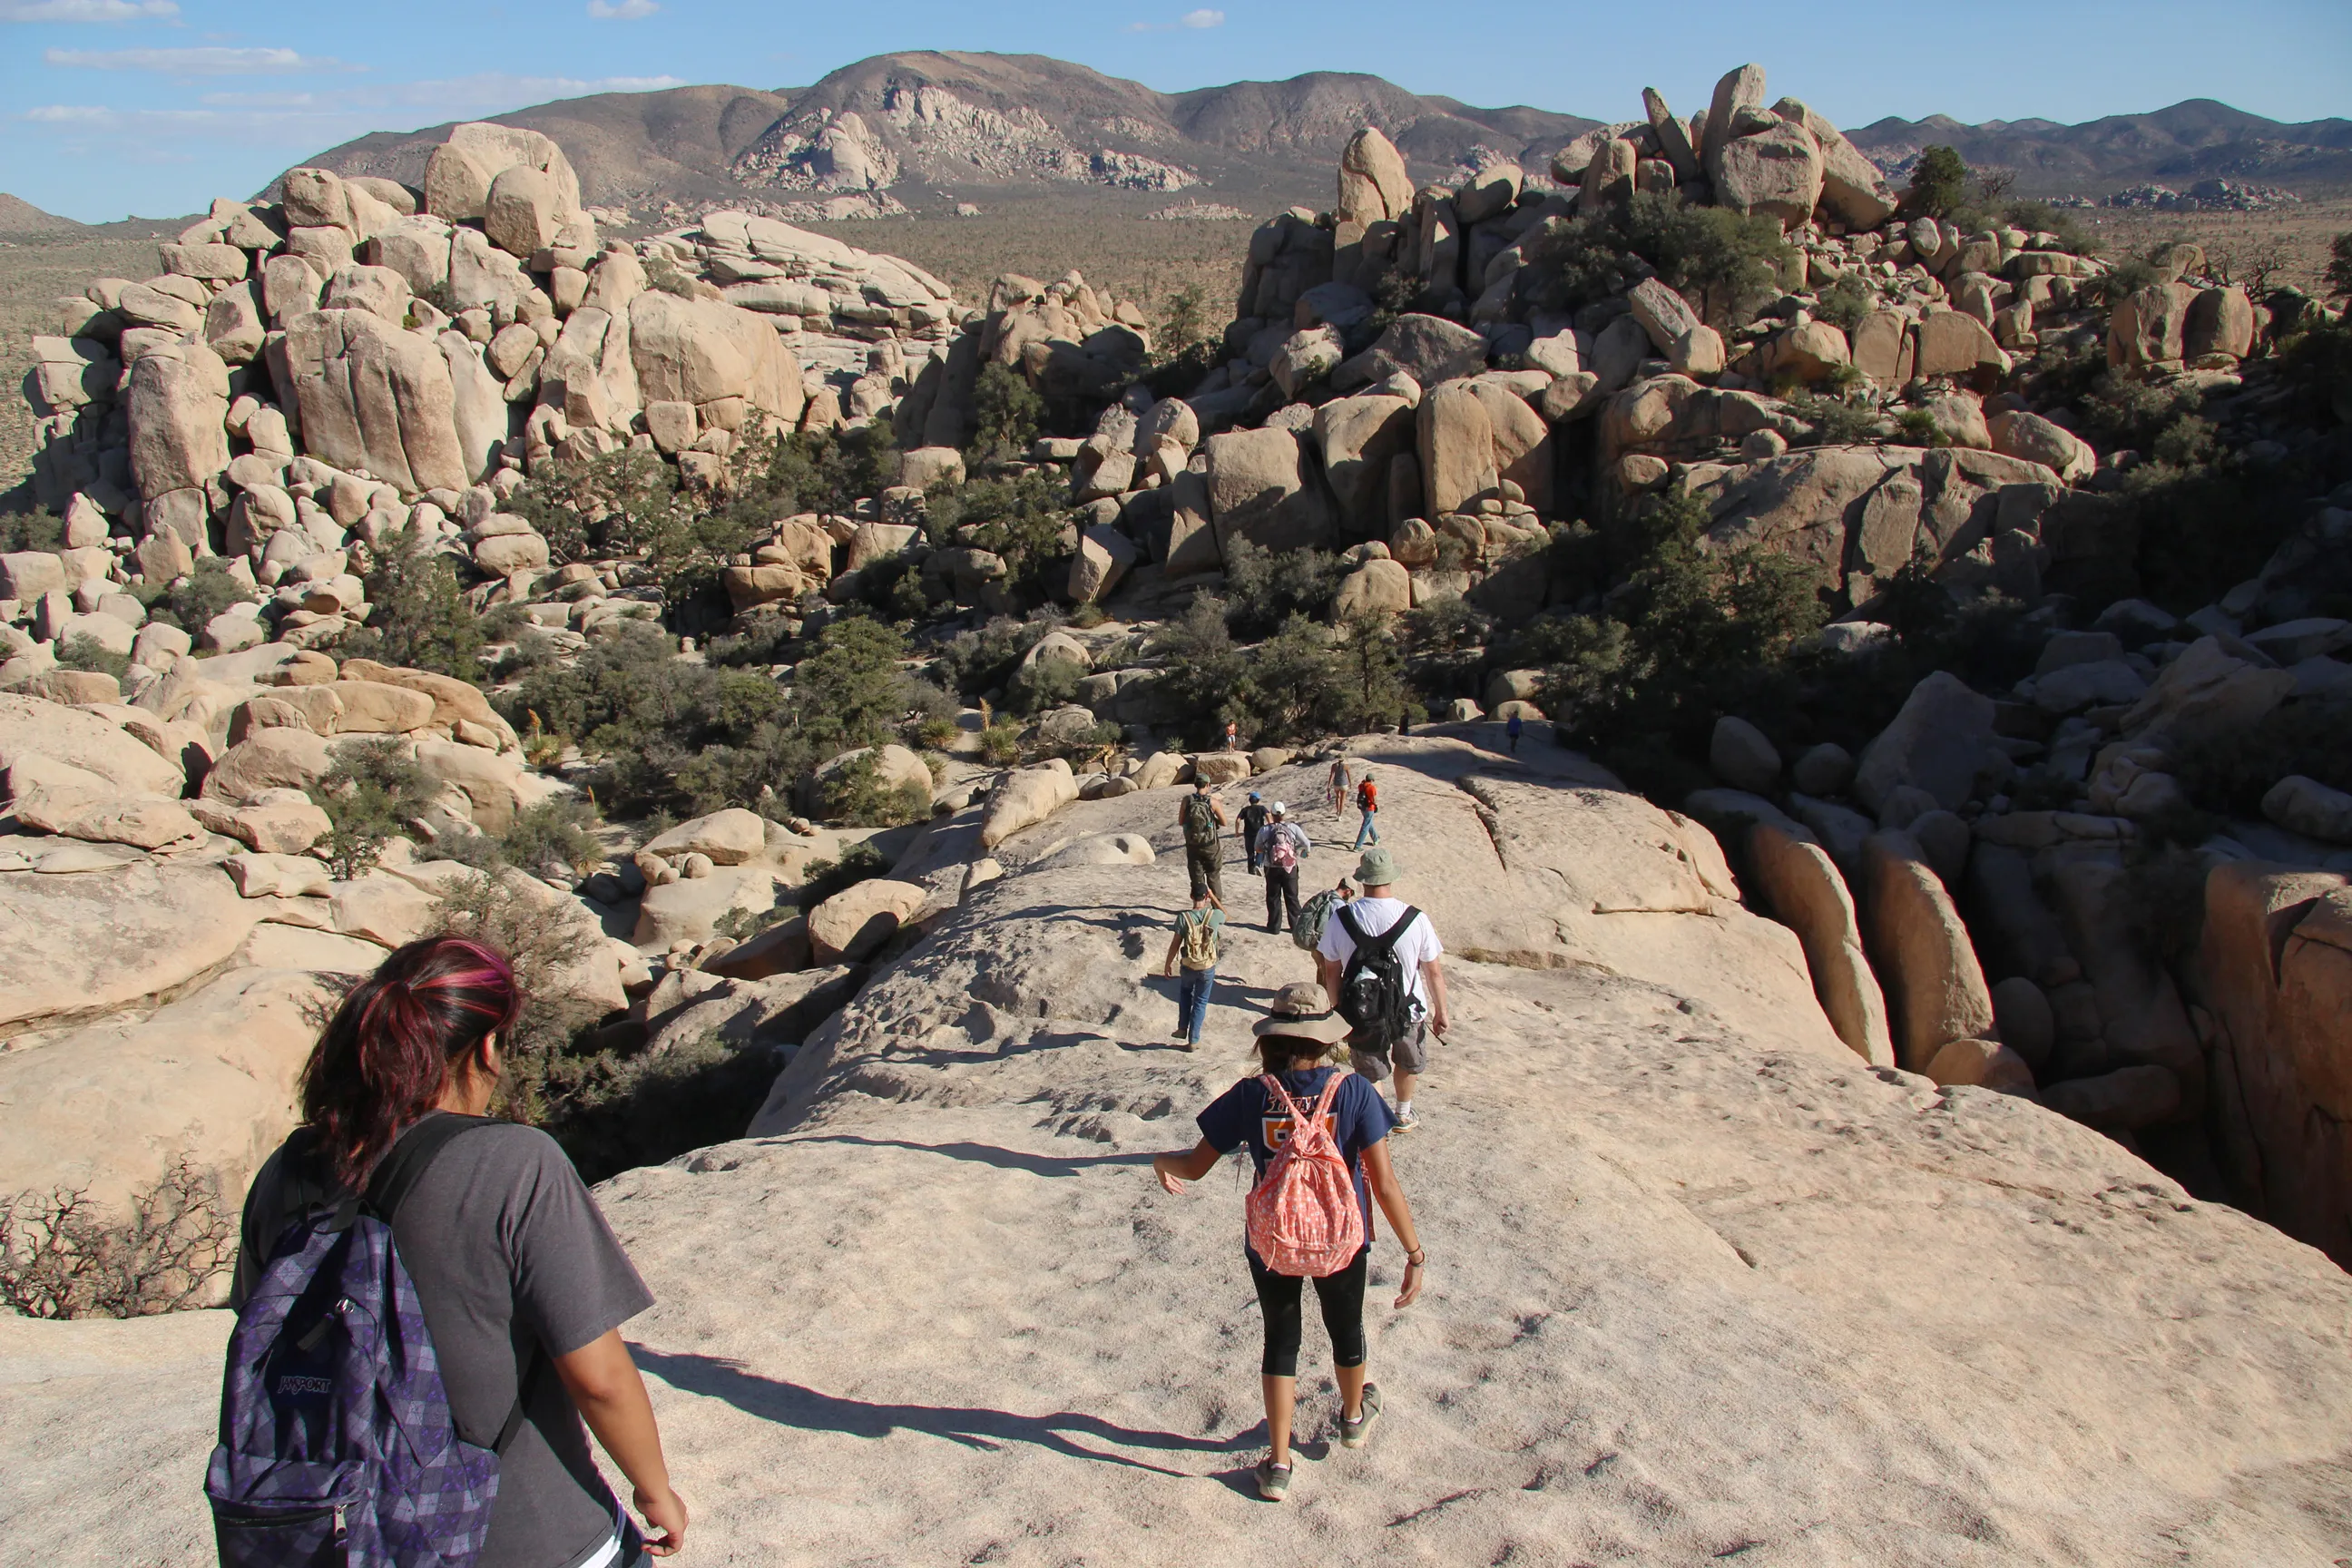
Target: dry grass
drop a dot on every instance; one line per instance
(1116, 247)
(33, 272)
(2293, 239)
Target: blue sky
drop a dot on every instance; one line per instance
(113, 107)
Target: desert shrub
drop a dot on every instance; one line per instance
(84, 652)
(975, 663)
(555, 835)
(2124, 411)
(613, 1112)
(767, 641)
(999, 745)
(2231, 774)
(937, 732)
(1845, 303)
(791, 472)
(39, 529)
(369, 795)
(860, 862)
(1266, 588)
(1020, 518)
(1939, 185)
(856, 794)
(1042, 687)
(544, 935)
(189, 601)
(417, 617)
(616, 504)
(1186, 345)
(2337, 274)
(1203, 666)
(533, 649)
(61, 1256)
(2318, 363)
(1836, 421)
(1009, 414)
(1725, 263)
(1916, 427)
(1693, 633)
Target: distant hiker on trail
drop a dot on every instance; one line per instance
(1317, 1137)
(339, 1441)
(1512, 730)
(1194, 944)
(1232, 736)
(1368, 801)
(1378, 959)
(1253, 822)
(1200, 817)
(1281, 845)
(1336, 791)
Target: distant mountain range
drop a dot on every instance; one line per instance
(924, 131)
(2196, 139)
(929, 130)
(20, 219)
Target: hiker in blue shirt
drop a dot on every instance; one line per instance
(1292, 1045)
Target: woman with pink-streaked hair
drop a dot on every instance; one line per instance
(516, 1271)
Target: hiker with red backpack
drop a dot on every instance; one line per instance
(1316, 1136)
(1281, 845)
(1377, 958)
(428, 1306)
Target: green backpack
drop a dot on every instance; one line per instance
(1200, 823)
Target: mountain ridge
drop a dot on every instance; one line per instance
(924, 131)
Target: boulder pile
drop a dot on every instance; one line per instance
(312, 374)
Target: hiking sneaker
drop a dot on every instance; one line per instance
(1357, 1433)
(1273, 1481)
(1405, 1123)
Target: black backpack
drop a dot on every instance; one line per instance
(1375, 992)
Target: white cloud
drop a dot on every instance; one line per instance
(209, 61)
(626, 11)
(84, 10)
(1204, 17)
(309, 121)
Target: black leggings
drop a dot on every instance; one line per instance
(1342, 1295)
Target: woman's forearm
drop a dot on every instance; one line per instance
(605, 1385)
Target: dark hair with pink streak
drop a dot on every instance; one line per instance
(385, 1059)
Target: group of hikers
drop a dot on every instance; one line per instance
(429, 1302)
(1317, 1134)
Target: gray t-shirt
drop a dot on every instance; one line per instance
(508, 1251)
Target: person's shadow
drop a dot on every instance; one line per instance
(807, 1409)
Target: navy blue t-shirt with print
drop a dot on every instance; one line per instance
(1246, 1113)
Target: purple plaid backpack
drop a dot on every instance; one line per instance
(337, 1444)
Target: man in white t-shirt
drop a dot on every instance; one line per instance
(1417, 951)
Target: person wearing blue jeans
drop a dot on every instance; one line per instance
(1194, 942)
(1368, 801)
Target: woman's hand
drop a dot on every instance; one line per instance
(1414, 1273)
(1162, 1166)
(664, 1512)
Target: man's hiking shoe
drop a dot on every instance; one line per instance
(1406, 1123)
(1357, 1433)
(1273, 1481)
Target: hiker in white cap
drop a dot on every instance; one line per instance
(1281, 845)
(1379, 956)
(1304, 1224)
